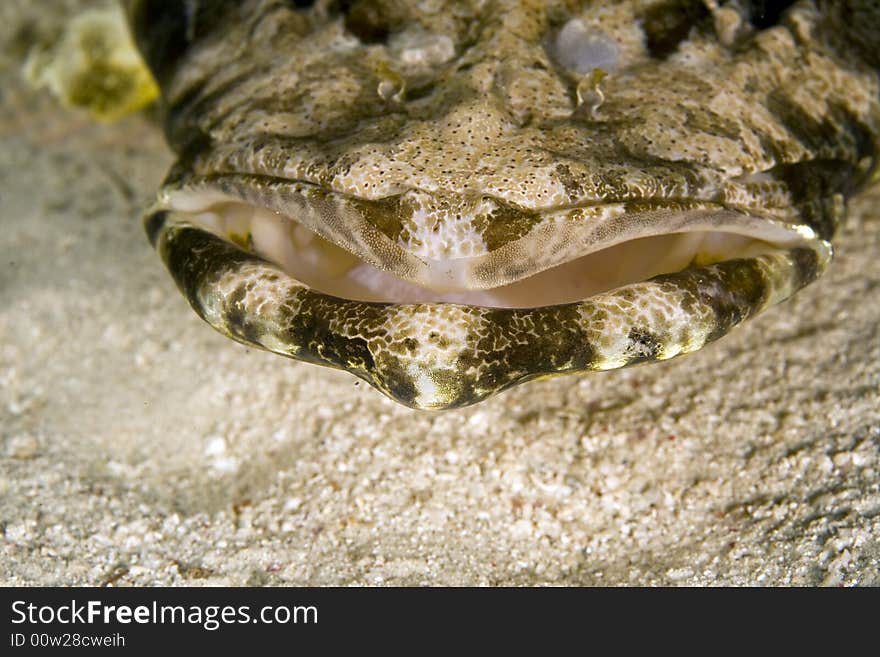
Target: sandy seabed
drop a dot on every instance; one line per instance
(139, 447)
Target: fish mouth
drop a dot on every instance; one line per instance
(592, 287)
(334, 244)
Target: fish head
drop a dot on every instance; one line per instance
(449, 198)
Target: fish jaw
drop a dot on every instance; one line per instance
(438, 356)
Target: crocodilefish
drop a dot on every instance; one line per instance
(448, 198)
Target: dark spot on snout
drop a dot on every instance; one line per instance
(766, 13)
(368, 20)
(667, 24)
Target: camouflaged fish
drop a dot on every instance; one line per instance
(449, 198)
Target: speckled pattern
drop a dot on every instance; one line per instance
(139, 448)
(511, 137)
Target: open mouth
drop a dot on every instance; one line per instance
(637, 248)
(591, 288)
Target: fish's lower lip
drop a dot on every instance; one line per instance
(447, 355)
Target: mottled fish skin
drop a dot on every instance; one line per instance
(365, 120)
